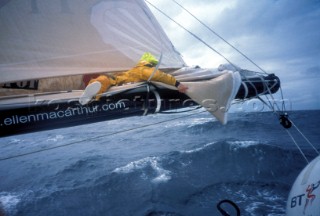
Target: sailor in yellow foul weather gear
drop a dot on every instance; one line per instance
(141, 72)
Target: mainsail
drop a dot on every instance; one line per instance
(52, 38)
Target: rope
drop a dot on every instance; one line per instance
(270, 94)
(276, 109)
(215, 33)
(191, 33)
(155, 69)
(198, 38)
(271, 106)
(308, 141)
(304, 156)
(177, 112)
(267, 89)
(304, 137)
(147, 102)
(283, 103)
(231, 203)
(96, 137)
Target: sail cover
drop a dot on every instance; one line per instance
(51, 38)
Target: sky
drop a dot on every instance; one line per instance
(281, 36)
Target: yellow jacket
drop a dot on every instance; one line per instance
(141, 72)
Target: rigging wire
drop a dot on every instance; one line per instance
(205, 43)
(209, 46)
(219, 36)
(307, 140)
(287, 124)
(97, 137)
(272, 102)
(191, 33)
(155, 69)
(295, 142)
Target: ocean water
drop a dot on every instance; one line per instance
(184, 165)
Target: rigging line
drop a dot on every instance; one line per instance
(194, 35)
(272, 101)
(271, 104)
(308, 141)
(97, 137)
(177, 112)
(297, 146)
(266, 89)
(215, 33)
(283, 103)
(251, 84)
(155, 69)
(268, 105)
(295, 142)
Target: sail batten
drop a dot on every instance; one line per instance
(49, 38)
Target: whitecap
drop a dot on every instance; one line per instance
(9, 202)
(14, 141)
(134, 165)
(200, 121)
(197, 149)
(235, 145)
(162, 175)
(55, 138)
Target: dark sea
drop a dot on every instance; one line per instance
(183, 165)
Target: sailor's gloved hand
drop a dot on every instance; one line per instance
(182, 88)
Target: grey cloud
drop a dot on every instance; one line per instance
(313, 72)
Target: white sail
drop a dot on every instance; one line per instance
(51, 38)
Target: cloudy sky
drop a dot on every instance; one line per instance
(281, 36)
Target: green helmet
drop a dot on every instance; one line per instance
(149, 58)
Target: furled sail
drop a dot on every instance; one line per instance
(52, 38)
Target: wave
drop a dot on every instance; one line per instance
(149, 163)
(246, 171)
(253, 198)
(8, 203)
(256, 175)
